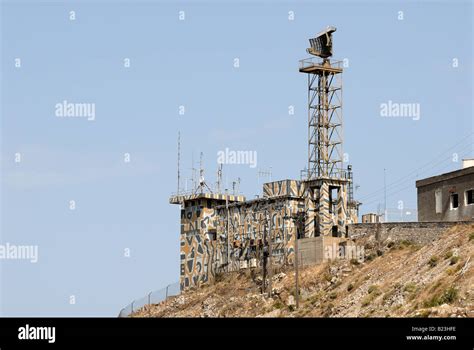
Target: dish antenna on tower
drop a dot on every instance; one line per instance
(321, 45)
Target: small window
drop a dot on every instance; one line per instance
(469, 197)
(439, 201)
(333, 199)
(212, 234)
(454, 201)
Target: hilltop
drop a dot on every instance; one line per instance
(396, 279)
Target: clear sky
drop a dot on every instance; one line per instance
(422, 55)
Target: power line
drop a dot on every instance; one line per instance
(417, 171)
(379, 193)
(397, 191)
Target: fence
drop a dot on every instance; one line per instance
(154, 297)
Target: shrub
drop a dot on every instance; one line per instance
(219, 277)
(449, 296)
(471, 236)
(424, 313)
(327, 277)
(406, 243)
(369, 298)
(355, 262)
(448, 254)
(350, 287)
(370, 257)
(278, 304)
(454, 260)
(433, 261)
(410, 287)
(372, 288)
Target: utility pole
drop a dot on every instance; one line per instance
(219, 178)
(264, 264)
(270, 256)
(385, 197)
(297, 289)
(179, 156)
(228, 231)
(298, 220)
(285, 261)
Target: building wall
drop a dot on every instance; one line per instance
(310, 250)
(248, 225)
(370, 218)
(203, 242)
(206, 221)
(326, 218)
(417, 232)
(292, 188)
(427, 202)
(198, 249)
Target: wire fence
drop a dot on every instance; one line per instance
(154, 297)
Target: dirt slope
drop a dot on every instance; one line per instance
(396, 279)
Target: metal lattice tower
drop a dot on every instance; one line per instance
(325, 130)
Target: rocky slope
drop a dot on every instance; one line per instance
(396, 279)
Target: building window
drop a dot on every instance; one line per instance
(439, 201)
(469, 197)
(454, 201)
(212, 235)
(333, 199)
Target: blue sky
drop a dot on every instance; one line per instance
(190, 63)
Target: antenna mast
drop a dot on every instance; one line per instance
(219, 178)
(179, 157)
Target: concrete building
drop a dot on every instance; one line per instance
(370, 218)
(221, 233)
(447, 197)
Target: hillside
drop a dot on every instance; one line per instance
(397, 279)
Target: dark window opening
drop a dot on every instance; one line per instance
(470, 197)
(334, 231)
(317, 233)
(212, 235)
(454, 201)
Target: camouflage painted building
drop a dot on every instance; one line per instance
(222, 233)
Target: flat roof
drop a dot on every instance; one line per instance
(178, 199)
(444, 177)
(260, 199)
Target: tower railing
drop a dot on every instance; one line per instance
(337, 173)
(317, 61)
